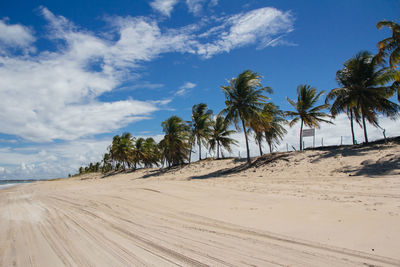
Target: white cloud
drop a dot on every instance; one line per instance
(257, 26)
(15, 36)
(185, 88)
(54, 95)
(50, 161)
(165, 7)
(195, 6)
(213, 3)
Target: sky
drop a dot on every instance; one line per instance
(75, 73)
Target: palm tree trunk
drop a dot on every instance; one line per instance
(301, 135)
(259, 146)
(199, 141)
(217, 149)
(352, 127)
(247, 143)
(270, 147)
(365, 129)
(190, 152)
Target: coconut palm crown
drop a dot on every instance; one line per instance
(274, 130)
(244, 99)
(389, 47)
(220, 136)
(362, 91)
(201, 124)
(305, 110)
(175, 146)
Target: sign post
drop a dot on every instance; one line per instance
(309, 132)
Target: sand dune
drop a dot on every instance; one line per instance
(336, 207)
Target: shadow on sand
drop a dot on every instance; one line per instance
(382, 166)
(265, 159)
(223, 172)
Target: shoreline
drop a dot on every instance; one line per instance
(4, 184)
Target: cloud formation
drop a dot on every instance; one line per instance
(43, 161)
(54, 94)
(259, 26)
(15, 36)
(183, 90)
(165, 7)
(195, 7)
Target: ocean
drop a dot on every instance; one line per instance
(9, 183)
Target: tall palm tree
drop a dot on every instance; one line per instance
(306, 111)
(274, 129)
(362, 93)
(175, 146)
(201, 124)
(244, 99)
(220, 135)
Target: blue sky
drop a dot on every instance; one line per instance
(75, 73)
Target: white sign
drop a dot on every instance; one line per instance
(308, 132)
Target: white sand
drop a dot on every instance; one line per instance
(301, 210)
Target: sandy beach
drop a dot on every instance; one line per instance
(333, 207)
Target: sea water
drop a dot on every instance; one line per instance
(6, 183)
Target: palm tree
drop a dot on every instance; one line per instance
(257, 124)
(244, 99)
(362, 93)
(175, 146)
(274, 129)
(151, 153)
(107, 166)
(138, 151)
(121, 149)
(201, 123)
(268, 124)
(308, 115)
(220, 135)
(390, 47)
(343, 102)
(191, 139)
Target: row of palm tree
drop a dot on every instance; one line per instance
(363, 95)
